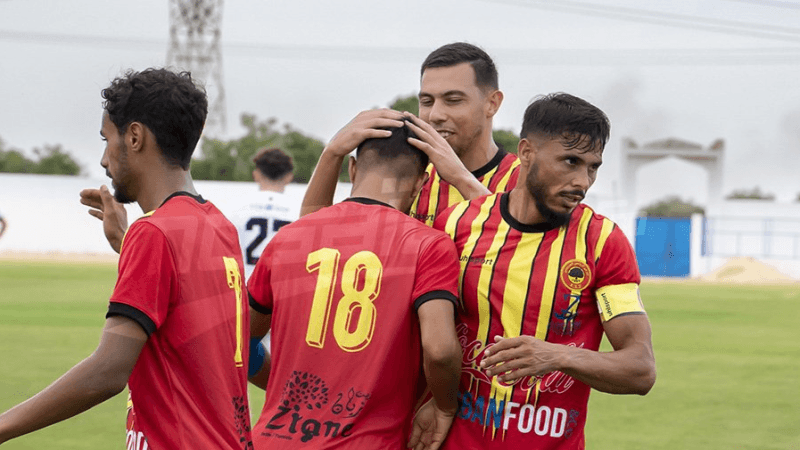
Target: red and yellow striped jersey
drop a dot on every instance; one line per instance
(498, 175)
(557, 284)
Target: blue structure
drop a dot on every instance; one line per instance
(663, 246)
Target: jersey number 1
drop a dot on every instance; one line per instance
(361, 284)
(235, 282)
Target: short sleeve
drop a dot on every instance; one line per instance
(147, 279)
(618, 278)
(437, 272)
(258, 285)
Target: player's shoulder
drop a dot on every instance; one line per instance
(464, 208)
(485, 201)
(601, 228)
(584, 210)
(175, 212)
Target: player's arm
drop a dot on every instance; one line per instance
(628, 369)
(365, 125)
(259, 364)
(444, 159)
(441, 355)
(111, 212)
(97, 378)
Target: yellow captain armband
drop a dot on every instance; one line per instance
(619, 299)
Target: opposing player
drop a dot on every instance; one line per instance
(176, 328)
(542, 277)
(459, 96)
(267, 210)
(359, 296)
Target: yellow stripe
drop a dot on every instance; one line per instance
(484, 281)
(549, 285)
(548, 290)
(608, 226)
(580, 238)
(475, 233)
(487, 177)
(415, 205)
(517, 283)
(452, 219)
(453, 196)
(501, 186)
(433, 200)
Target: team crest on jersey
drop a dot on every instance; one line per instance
(576, 275)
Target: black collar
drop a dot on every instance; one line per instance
(516, 224)
(494, 162)
(368, 201)
(197, 198)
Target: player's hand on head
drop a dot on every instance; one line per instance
(366, 125)
(514, 358)
(113, 214)
(442, 156)
(430, 427)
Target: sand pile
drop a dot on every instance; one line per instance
(747, 271)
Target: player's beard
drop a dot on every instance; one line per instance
(124, 178)
(538, 191)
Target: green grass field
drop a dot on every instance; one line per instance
(728, 362)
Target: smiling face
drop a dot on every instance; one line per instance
(115, 162)
(451, 102)
(559, 177)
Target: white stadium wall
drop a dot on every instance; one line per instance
(45, 216)
(44, 212)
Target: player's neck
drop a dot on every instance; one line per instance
(271, 186)
(160, 184)
(479, 154)
(522, 206)
(390, 190)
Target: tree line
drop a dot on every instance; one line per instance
(50, 160)
(233, 160)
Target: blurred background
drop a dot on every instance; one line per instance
(700, 171)
(703, 97)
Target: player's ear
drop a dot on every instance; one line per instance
(135, 136)
(526, 152)
(421, 180)
(351, 169)
(493, 101)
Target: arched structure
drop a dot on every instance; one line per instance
(709, 158)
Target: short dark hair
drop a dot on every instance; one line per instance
(460, 52)
(168, 103)
(273, 163)
(563, 116)
(387, 150)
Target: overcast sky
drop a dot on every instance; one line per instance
(697, 70)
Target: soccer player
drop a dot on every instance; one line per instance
(359, 296)
(542, 278)
(268, 210)
(176, 328)
(459, 96)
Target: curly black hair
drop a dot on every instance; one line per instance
(170, 104)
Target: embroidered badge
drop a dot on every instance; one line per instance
(576, 275)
